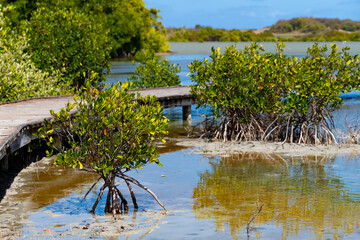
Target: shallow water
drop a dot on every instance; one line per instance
(213, 198)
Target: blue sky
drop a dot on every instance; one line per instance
(248, 14)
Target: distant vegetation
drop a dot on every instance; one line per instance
(209, 34)
(296, 29)
(314, 25)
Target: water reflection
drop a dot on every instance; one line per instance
(44, 183)
(308, 194)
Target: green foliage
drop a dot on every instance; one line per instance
(19, 78)
(351, 26)
(132, 27)
(20, 10)
(306, 25)
(108, 133)
(260, 96)
(155, 73)
(68, 42)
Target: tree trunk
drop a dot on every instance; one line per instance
(115, 201)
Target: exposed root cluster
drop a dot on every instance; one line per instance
(116, 203)
(308, 129)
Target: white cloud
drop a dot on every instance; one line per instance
(277, 14)
(248, 14)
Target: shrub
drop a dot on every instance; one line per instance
(269, 96)
(109, 135)
(19, 78)
(155, 73)
(68, 42)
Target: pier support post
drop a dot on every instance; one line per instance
(5, 163)
(59, 141)
(187, 114)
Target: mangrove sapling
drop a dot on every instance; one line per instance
(153, 72)
(274, 97)
(110, 134)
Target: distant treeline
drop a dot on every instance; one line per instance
(209, 34)
(314, 25)
(296, 29)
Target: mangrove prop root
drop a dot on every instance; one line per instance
(132, 194)
(107, 205)
(98, 199)
(123, 200)
(311, 128)
(134, 181)
(91, 188)
(116, 203)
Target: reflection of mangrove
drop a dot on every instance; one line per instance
(45, 183)
(296, 194)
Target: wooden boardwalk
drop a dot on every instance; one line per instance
(19, 120)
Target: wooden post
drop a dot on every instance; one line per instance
(59, 141)
(5, 163)
(187, 114)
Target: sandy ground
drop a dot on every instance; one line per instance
(261, 30)
(294, 150)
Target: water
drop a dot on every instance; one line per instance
(214, 197)
(207, 197)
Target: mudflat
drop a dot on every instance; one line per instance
(294, 150)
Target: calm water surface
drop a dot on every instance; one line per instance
(214, 197)
(210, 197)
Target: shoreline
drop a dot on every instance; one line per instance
(219, 148)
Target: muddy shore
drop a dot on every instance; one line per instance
(293, 150)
